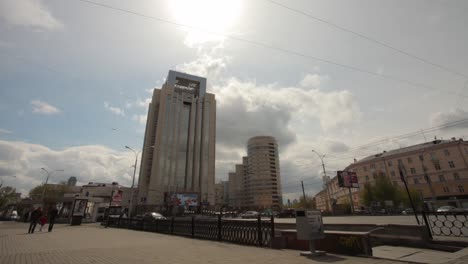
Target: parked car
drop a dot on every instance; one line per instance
(408, 211)
(152, 216)
(449, 209)
(250, 214)
(14, 216)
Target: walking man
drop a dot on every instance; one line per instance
(53, 212)
(35, 215)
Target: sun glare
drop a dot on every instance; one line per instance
(207, 15)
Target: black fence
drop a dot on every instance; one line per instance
(447, 224)
(246, 232)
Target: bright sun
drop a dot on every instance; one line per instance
(207, 15)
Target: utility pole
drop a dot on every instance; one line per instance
(303, 193)
(428, 180)
(402, 170)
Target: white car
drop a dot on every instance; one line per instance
(449, 209)
(14, 216)
(250, 214)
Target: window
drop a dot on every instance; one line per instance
(392, 173)
(389, 163)
(437, 165)
(416, 181)
(441, 178)
(456, 176)
(446, 152)
(451, 164)
(413, 170)
(461, 189)
(374, 175)
(400, 162)
(367, 177)
(410, 160)
(372, 166)
(446, 189)
(421, 157)
(364, 168)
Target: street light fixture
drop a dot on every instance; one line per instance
(45, 185)
(325, 179)
(133, 179)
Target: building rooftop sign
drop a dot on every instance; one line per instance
(187, 83)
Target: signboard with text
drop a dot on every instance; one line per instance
(309, 225)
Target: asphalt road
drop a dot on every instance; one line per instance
(362, 219)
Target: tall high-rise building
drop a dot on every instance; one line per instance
(179, 147)
(263, 181)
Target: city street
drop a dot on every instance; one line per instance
(362, 219)
(94, 244)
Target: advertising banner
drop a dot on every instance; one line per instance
(184, 199)
(80, 207)
(347, 179)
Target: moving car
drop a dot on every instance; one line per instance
(408, 211)
(151, 216)
(449, 209)
(250, 214)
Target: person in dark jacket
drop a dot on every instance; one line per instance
(53, 212)
(35, 215)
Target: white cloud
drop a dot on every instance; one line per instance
(88, 163)
(143, 102)
(41, 107)
(4, 131)
(205, 65)
(332, 109)
(140, 118)
(450, 116)
(29, 13)
(313, 81)
(114, 110)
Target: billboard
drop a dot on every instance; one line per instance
(184, 199)
(79, 207)
(347, 179)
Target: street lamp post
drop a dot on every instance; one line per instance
(45, 185)
(133, 181)
(325, 179)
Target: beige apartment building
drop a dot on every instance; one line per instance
(256, 183)
(179, 147)
(437, 169)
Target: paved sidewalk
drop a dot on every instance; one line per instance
(94, 244)
(419, 255)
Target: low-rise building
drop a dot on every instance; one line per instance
(438, 170)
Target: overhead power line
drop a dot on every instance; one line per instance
(269, 46)
(403, 136)
(373, 40)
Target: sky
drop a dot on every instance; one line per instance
(76, 77)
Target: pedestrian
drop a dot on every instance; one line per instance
(53, 212)
(43, 221)
(35, 215)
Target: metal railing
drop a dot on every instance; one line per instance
(257, 233)
(448, 224)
